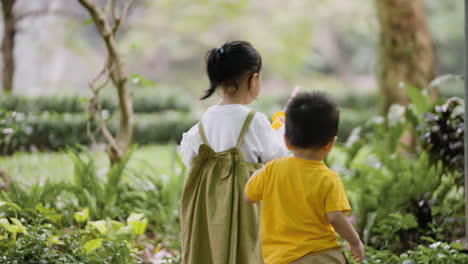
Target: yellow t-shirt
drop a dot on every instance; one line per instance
(297, 194)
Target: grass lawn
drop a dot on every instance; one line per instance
(27, 168)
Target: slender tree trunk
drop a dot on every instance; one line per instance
(8, 44)
(406, 51)
(116, 70)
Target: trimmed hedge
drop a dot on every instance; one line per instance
(54, 131)
(142, 103)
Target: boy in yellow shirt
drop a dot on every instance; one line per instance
(303, 200)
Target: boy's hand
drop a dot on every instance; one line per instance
(358, 252)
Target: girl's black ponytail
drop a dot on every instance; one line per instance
(212, 67)
(229, 63)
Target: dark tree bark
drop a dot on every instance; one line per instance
(8, 44)
(406, 51)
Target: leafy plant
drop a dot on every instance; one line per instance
(443, 134)
(101, 196)
(436, 253)
(41, 240)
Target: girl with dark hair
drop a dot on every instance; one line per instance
(230, 142)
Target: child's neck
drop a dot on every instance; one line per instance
(309, 154)
(232, 100)
(239, 96)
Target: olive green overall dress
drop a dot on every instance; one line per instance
(218, 226)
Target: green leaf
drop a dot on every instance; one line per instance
(428, 239)
(81, 216)
(100, 225)
(88, 22)
(54, 240)
(419, 98)
(13, 205)
(18, 226)
(409, 221)
(138, 222)
(6, 224)
(93, 244)
(142, 81)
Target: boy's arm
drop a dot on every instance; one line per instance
(342, 226)
(246, 197)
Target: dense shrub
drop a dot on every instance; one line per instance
(53, 131)
(435, 253)
(443, 134)
(142, 102)
(40, 240)
(418, 194)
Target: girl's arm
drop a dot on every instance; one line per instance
(189, 144)
(271, 142)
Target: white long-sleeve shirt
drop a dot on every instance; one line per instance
(223, 123)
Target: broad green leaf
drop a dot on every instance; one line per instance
(93, 244)
(100, 225)
(126, 229)
(6, 224)
(13, 205)
(43, 210)
(81, 216)
(18, 225)
(54, 240)
(49, 213)
(138, 222)
(116, 224)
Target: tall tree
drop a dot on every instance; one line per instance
(406, 51)
(108, 21)
(8, 44)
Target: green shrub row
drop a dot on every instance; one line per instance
(54, 131)
(150, 102)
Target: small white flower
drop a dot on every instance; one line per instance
(7, 131)
(435, 245)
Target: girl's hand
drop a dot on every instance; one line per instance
(278, 120)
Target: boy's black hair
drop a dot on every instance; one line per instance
(311, 120)
(230, 63)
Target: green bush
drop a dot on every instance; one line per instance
(443, 134)
(150, 102)
(436, 253)
(39, 239)
(53, 131)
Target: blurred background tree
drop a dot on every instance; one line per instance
(406, 50)
(8, 43)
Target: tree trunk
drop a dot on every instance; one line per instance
(8, 44)
(6, 180)
(406, 51)
(116, 69)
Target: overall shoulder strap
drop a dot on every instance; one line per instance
(201, 130)
(245, 128)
